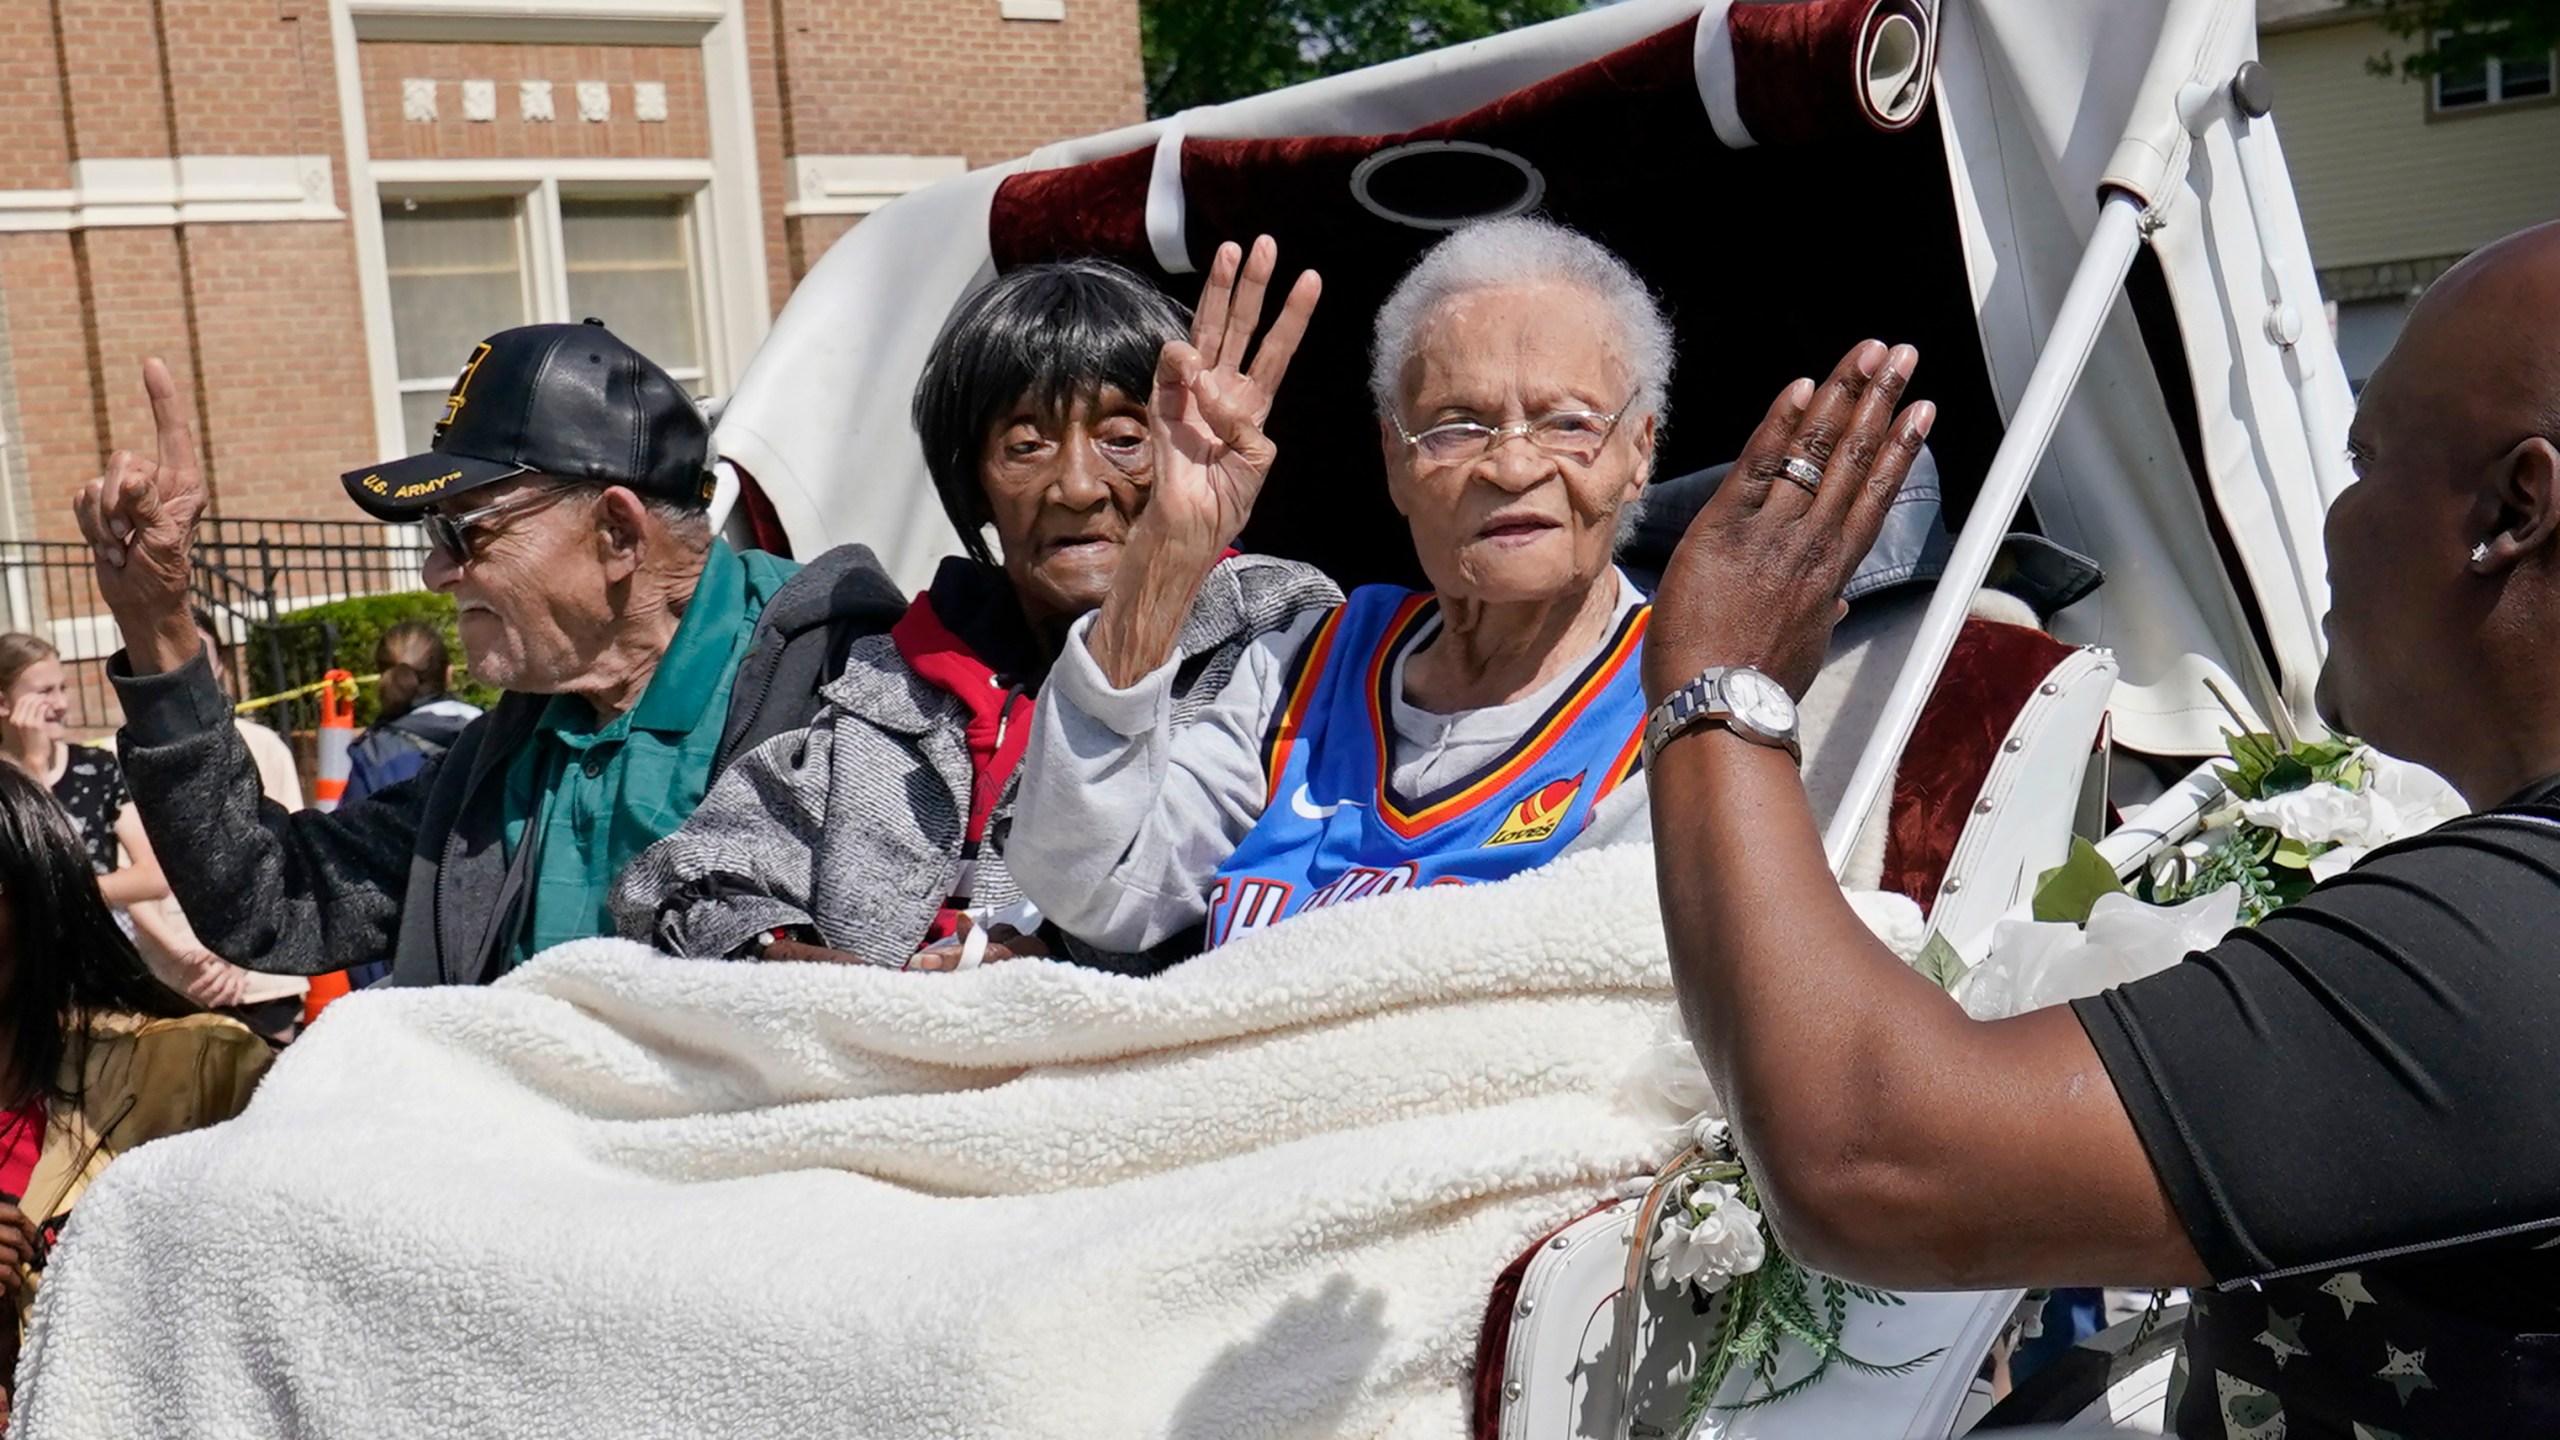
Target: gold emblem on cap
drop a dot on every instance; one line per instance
(461, 383)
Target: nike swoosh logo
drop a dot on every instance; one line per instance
(1308, 809)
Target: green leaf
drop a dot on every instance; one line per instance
(2284, 777)
(1939, 961)
(2293, 855)
(2070, 890)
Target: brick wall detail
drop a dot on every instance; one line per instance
(451, 137)
(264, 321)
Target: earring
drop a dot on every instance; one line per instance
(2479, 552)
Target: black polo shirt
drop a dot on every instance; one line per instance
(2355, 1108)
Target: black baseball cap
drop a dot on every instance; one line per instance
(570, 401)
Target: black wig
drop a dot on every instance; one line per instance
(1048, 334)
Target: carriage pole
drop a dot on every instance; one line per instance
(2094, 287)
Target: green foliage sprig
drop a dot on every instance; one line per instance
(1752, 1319)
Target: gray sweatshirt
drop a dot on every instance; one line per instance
(854, 825)
(1123, 818)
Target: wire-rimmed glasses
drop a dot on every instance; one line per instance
(1576, 435)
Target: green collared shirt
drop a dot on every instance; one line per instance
(594, 794)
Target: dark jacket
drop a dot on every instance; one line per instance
(418, 873)
(395, 749)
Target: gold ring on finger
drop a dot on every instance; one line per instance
(1803, 472)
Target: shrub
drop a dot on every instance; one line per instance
(341, 635)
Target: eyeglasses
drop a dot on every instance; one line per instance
(453, 535)
(1576, 435)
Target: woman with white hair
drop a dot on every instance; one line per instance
(1459, 734)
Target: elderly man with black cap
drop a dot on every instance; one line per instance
(565, 506)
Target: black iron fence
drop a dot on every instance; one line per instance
(249, 575)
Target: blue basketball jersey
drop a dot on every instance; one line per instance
(1335, 828)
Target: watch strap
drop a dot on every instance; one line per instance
(1699, 703)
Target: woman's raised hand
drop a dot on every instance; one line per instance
(1204, 423)
(27, 743)
(1209, 406)
(1757, 579)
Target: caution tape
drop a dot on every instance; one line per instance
(315, 687)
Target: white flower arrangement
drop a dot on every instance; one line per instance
(2298, 813)
(1709, 1237)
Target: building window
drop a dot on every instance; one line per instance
(630, 264)
(461, 269)
(457, 276)
(2499, 80)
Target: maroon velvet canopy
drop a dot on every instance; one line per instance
(1772, 260)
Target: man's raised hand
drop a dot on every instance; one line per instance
(139, 519)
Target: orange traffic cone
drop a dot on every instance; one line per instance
(337, 738)
(324, 988)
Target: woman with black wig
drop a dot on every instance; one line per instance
(96, 1056)
(876, 833)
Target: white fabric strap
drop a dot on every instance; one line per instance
(1715, 78)
(1165, 204)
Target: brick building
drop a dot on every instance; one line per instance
(311, 207)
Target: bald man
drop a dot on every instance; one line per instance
(2342, 1126)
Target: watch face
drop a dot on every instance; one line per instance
(1760, 702)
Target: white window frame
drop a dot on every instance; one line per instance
(536, 188)
(728, 210)
(2495, 72)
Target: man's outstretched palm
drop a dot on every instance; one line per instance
(140, 517)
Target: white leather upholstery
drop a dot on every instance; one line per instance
(2022, 819)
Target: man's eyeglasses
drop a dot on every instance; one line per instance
(1576, 435)
(455, 536)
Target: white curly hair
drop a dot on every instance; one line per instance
(1514, 250)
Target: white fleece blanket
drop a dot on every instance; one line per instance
(620, 1194)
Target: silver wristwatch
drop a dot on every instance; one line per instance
(1739, 698)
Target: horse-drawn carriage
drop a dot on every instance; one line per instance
(2076, 209)
(2078, 212)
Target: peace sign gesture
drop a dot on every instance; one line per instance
(1205, 427)
(1757, 579)
(1209, 407)
(139, 519)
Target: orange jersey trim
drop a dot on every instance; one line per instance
(1623, 769)
(1291, 720)
(1414, 823)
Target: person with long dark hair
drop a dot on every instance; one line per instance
(96, 1055)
